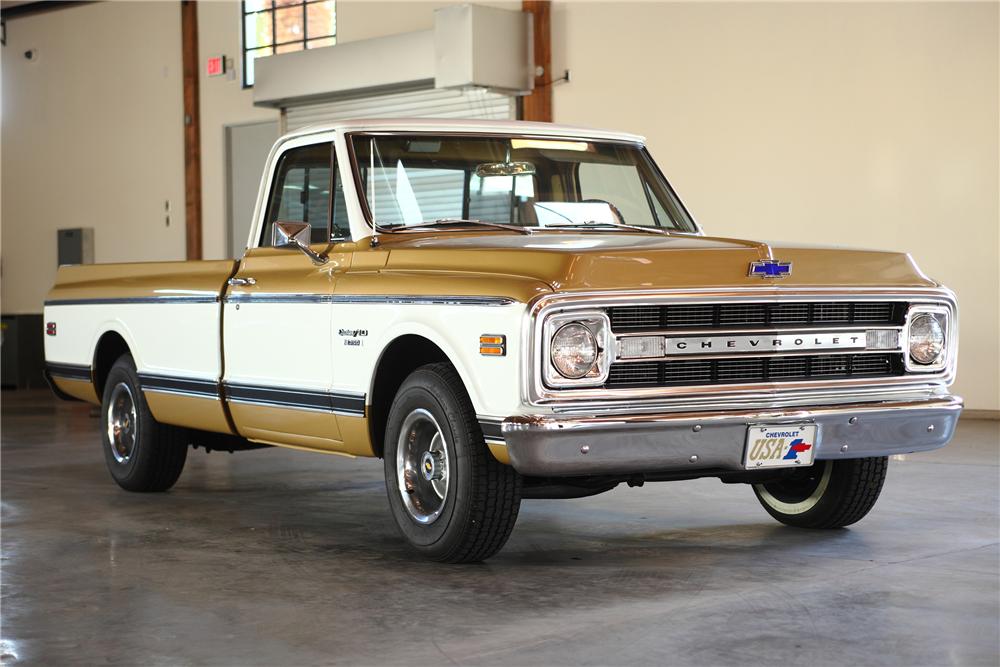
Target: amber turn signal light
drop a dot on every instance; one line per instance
(492, 345)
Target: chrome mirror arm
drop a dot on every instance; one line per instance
(318, 258)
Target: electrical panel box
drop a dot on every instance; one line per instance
(76, 246)
(21, 354)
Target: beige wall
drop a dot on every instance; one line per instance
(92, 136)
(845, 123)
(224, 102)
(855, 124)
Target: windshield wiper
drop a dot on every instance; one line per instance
(445, 222)
(591, 224)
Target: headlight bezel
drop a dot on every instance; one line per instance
(943, 316)
(599, 325)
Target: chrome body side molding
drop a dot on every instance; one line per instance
(392, 299)
(162, 299)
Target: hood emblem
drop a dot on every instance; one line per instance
(770, 268)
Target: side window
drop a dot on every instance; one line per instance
(300, 191)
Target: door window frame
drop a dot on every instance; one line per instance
(266, 205)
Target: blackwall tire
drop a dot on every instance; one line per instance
(830, 494)
(451, 499)
(142, 454)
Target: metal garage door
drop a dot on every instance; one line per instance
(434, 103)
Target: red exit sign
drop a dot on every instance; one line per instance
(216, 66)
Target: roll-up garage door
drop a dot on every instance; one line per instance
(475, 103)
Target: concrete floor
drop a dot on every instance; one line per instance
(287, 558)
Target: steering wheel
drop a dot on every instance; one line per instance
(614, 209)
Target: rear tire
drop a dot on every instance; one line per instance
(142, 454)
(451, 499)
(829, 494)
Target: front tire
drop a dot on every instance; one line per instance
(141, 453)
(452, 501)
(829, 494)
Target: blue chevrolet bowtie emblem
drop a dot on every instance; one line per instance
(770, 268)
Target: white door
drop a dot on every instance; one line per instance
(277, 317)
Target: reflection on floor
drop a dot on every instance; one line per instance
(286, 558)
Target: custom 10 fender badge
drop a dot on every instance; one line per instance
(352, 337)
(770, 268)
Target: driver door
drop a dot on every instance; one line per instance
(277, 334)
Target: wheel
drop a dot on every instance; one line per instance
(141, 453)
(829, 494)
(452, 501)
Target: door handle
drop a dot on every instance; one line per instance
(241, 282)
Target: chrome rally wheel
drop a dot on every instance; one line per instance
(422, 464)
(121, 422)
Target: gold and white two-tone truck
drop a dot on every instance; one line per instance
(509, 310)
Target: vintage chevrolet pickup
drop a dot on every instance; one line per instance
(503, 311)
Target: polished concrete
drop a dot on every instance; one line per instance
(287, 558)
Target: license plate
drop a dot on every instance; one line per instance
(780, 445)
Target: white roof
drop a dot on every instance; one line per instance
(515, 127)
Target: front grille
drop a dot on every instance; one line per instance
(745, 370)
(733, 315)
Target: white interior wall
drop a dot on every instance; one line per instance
(223, 101)
(850, 124)
(92, 136)
(838, 123)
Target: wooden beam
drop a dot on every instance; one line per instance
(192, 129)
(538, 105)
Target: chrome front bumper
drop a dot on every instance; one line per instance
(558, 445)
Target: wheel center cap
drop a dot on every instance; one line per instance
(428, 466)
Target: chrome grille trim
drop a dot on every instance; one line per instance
(627, 318)
(725, 371)
(760, 394)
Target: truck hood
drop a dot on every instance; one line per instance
(588, 261)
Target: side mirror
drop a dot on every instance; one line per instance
(296, 235)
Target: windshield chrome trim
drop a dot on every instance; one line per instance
(376, 229)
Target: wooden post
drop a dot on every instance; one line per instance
(192, 129)
(538, 105)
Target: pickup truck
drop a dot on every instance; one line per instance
(510, 310)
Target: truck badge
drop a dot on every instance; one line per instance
(770, 268)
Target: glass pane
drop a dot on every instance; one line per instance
(302, 191)
(619, 184)
(321, 20)
(256, 5)
(411, 195)
(288, 3)
(288, 48)
(521, 180)
(258, 30)
(248, 61)
(289, 24)
(324, 41)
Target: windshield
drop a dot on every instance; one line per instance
(410, 180)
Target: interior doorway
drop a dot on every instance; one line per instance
(247, 147)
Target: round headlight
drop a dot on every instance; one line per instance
(574, 350)
(926, 339)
